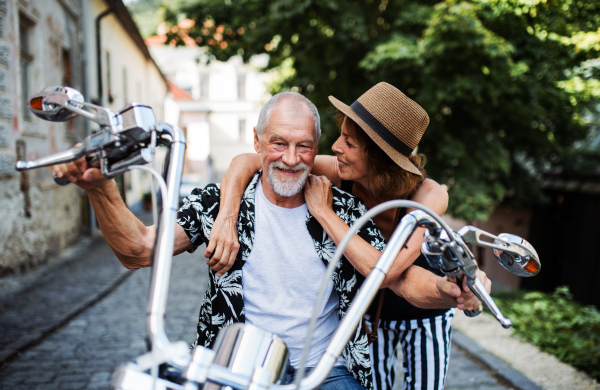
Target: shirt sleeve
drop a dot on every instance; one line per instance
(371, 234)
(198, 214)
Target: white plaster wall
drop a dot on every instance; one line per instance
(133, 78)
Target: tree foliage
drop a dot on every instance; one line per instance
(149, 14)
(502, 80)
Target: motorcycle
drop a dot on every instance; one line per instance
(246, 357)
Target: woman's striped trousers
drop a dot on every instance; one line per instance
(425, 349)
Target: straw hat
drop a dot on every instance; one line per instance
(394, 122)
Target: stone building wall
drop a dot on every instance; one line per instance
(40, 45)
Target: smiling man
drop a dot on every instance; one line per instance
(275, 279)
(283, 251)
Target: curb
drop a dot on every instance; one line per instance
(498, 366)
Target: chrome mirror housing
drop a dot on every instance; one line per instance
(524, 262)
(54, 103)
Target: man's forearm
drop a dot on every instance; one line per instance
(420, 288)
(127, 236)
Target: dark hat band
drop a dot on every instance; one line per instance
(380, 129)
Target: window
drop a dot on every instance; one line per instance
(203, 86)
(242, 129)
(241, 86)
(108, 79)
(68, 81)
(25, 62)
(125, 94)
(67, 68)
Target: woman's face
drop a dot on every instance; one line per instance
(351, 155)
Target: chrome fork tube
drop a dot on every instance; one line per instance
(360, 304)
(163, 251)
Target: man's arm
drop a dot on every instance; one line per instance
(131, 241)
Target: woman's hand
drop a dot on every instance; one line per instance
(463, 299)
(223, 244)
(318, 195)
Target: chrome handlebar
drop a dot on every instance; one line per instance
(123, 139)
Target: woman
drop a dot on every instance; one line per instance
(375, 161)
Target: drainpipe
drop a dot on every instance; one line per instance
(115, 4)
(86, 90)
(112, 8)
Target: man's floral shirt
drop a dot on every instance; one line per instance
(223, 302)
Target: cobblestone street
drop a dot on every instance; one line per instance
(84, 351)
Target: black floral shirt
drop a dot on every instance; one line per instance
(223, 302)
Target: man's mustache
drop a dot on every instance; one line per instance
(289, 168)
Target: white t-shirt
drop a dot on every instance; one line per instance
(282, 277)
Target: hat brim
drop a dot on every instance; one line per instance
(401, 160)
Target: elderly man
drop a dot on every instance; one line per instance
(283, 253)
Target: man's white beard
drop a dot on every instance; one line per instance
(287, 186)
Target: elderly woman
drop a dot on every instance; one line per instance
(376, 162)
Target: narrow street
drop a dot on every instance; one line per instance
(83, 352)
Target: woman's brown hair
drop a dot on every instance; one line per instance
(387, 180)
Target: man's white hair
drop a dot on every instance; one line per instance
(267, 109)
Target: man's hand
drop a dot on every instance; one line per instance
(81, 173)
(223, 244)
(464, 299)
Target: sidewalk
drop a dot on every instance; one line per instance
(495, 347)
(37, 304)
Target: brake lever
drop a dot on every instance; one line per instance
(75, 153)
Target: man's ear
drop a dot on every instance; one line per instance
(256, 141)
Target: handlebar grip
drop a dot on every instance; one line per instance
(61, 181)
(453, 277)
(473, 313)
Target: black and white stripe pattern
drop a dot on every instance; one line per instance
(425, 348)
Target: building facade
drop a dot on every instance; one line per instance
(215, 103)
(48, 43)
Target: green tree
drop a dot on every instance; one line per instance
(500, 79)
(149, 14)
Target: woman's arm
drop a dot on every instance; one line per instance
(327, 166)
(223, 244)
(359, 252)
(432, 195)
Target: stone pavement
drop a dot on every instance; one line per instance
(69, 324)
